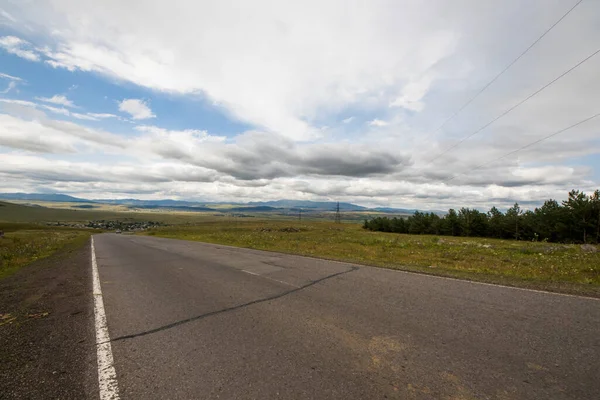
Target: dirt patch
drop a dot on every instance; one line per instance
(46, 329)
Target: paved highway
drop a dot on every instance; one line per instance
(200, 321)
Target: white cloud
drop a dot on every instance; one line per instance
(103, 115)
(18, 47)
(272, 69)
(275, 71)
(11, 85)
(87, 117)
(19, 102)
(412, 94)
(138, 109)
(57, 99)
(378, 122)
(87, 173)
(7, 16)
(32, 136)
(289, 69)
(56, 110)
(184, 135)
(65, 131)
(61, 110)
(14, 78)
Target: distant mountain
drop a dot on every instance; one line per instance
(184, 205)
(43, 197)
(253, 209)
(404, 210)
(394, 210)
(307, 204)
(176, 208)
(254, 206)
(146, 203)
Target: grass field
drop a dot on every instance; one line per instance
(22, 244)
(549, 266)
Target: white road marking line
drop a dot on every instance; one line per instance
(271, 279)
(250, 272)
(285, 283)
(107, 376)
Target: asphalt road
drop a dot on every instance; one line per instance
(199, 321)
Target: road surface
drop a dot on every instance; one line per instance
(190, 320)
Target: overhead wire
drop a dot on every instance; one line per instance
(524, 147)
(568, 71)
(495, 78)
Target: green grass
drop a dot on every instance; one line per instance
(22, 244)
(547, 266)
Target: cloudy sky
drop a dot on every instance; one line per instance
(262, 100)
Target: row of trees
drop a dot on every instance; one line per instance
(576, 220)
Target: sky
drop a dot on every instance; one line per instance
(349, 101)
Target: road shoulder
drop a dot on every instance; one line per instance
(46, 329)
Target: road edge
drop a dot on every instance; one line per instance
(107, 375)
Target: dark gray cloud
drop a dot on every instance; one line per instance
(257, 155)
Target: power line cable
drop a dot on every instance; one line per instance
(512, 108)
(483, 89)
(525, 147)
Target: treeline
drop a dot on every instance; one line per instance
(576, 220)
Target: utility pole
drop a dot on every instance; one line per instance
(338, 217)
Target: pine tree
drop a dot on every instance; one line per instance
(453, 223)
(579, 206)
(496, 222)
(595, 200)
(513, 216)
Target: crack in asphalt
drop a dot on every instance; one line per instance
(228, 309)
